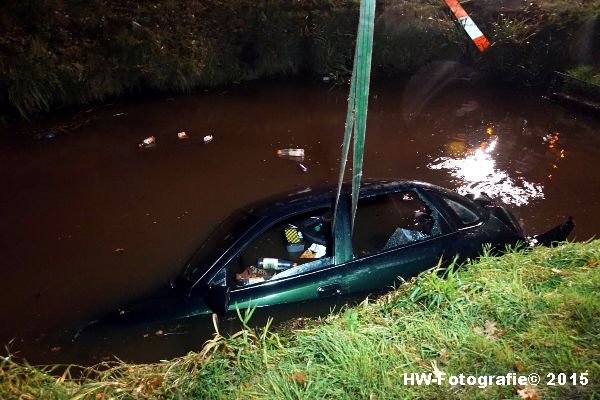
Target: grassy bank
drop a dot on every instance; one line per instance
(61, 53)
(528, 311)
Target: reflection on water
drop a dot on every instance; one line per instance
(476, 172)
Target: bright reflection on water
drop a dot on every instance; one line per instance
(476, 172)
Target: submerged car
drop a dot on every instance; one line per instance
(288, 249)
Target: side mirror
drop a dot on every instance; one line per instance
(217, 299)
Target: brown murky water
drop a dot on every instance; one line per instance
(68, 204)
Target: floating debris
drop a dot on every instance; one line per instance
(46, 135)
(302, 167)
(291, 154)
(182, 135)
(207, 139)
(148, 142)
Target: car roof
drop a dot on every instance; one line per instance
(323, 195)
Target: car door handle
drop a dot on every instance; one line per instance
(333, 289)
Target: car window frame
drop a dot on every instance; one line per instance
(473, 207)
(265, 226)
(452, 218)
(427, 199)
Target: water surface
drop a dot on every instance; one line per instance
(91, 221)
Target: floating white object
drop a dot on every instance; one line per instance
(290, 153)
(207, 138)
(149, 141)
(182, 135)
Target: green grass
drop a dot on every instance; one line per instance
(527, 311)
(586, 73)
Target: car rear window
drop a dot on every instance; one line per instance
(465, 214)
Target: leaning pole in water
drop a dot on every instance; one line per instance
(358, 100)
(468, 25)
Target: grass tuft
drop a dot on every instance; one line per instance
(531, 310)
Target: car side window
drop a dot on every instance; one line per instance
(466, 216)
(393, 220)
(293, 246)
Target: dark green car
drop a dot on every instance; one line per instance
(286, 250)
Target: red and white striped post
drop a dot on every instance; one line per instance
(469, 26)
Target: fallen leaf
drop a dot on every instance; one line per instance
(55, 349)
(518, 366)
(420, 361)
(444, 355)
(492, 330)
(548, 345)
(592, 262)
(528, 392)
(154, 382)
(298, 377)
(578, 350)
(478, 330)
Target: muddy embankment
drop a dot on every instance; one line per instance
(67, 53)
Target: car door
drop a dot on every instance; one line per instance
(311, 279)
(388, 244)
(320, 282)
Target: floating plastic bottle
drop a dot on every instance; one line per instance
(276, 264)
(295, 153)
(148, 142)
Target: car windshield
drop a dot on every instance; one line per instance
(223, 235)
